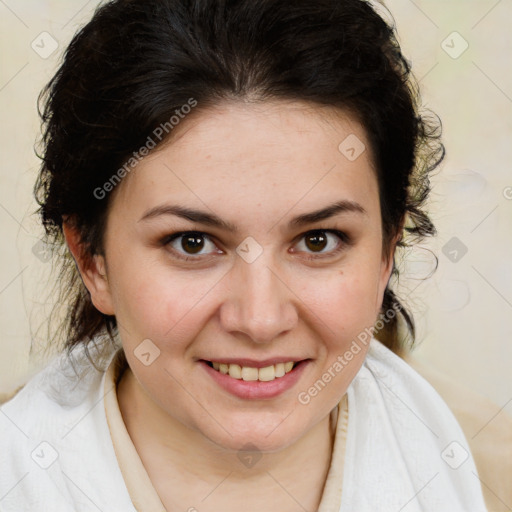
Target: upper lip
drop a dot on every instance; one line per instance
(253, 363)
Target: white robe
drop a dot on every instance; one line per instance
(405, 452)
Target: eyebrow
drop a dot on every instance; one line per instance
(210, 219)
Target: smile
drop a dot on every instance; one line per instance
(257, 382)
(247, 373)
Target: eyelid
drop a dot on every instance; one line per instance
(344, 242)
(344, 239)
(180, 234)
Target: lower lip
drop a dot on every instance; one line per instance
(256, 390)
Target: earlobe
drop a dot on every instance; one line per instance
(387, 265)
(391, 257)
(387, 269)
(92, 269)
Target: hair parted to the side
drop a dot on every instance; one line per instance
(138, 61)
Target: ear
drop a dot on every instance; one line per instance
(386, 269)
(92, 269)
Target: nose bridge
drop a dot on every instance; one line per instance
(260, 304)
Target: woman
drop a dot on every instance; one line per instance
(232, 180)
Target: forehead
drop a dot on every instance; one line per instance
(270, 156)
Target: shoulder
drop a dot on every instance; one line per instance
(403, 437)
(66, 385)
(55, 442)
(407, 396)
(488, 429)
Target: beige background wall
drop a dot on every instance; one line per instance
(463, 312)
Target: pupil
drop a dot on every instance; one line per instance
(316, 241)
(194, 242)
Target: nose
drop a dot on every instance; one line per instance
(260, 303)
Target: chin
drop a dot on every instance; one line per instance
(252, 436)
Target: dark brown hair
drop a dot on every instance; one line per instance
(138, 61)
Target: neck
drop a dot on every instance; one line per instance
(180, 461)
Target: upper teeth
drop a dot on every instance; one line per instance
(247, 373)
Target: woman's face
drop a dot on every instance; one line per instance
(269, 288)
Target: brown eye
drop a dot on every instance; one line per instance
(316, 241)
(323, 243)
(192, 243)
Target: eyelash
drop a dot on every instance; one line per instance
(345, 241)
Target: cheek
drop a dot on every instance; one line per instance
(345, 307)
(152, 301)
(159, 302)
(343, 300)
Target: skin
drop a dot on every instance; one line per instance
(256, 166)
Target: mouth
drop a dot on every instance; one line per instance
(266, 373)
(260, 381)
